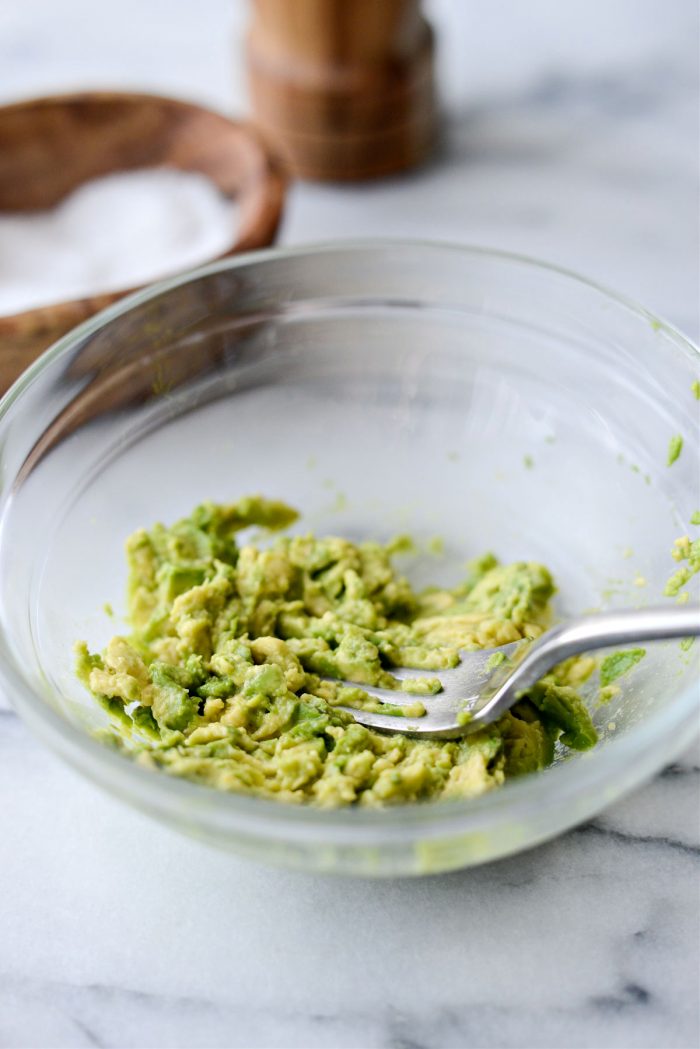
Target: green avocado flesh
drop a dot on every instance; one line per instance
(224, 676)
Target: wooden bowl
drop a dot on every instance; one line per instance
(50, 146)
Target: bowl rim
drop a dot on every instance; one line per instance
(507, 804)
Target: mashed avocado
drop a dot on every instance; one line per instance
(224, 677)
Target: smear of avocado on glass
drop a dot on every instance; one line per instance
(618, 663)
(683, 551)
(675, 447)
(227, 676)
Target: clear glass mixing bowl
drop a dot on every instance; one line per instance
(379, 387)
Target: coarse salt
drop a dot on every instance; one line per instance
(111, 233)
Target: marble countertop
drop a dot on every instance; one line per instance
(572, 135)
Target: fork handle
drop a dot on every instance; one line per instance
(586, 634)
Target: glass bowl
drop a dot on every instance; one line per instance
(497, 402)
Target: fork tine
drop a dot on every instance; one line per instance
(396, 697)
(462, 687)
(431, 726)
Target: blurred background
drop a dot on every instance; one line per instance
(571, 130)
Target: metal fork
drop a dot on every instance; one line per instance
(477, 692)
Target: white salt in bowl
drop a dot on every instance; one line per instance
(51, 152)
(379, 387)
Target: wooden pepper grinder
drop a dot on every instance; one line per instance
(343, 89)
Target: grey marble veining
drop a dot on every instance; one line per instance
(572, 135)
(118, 932)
